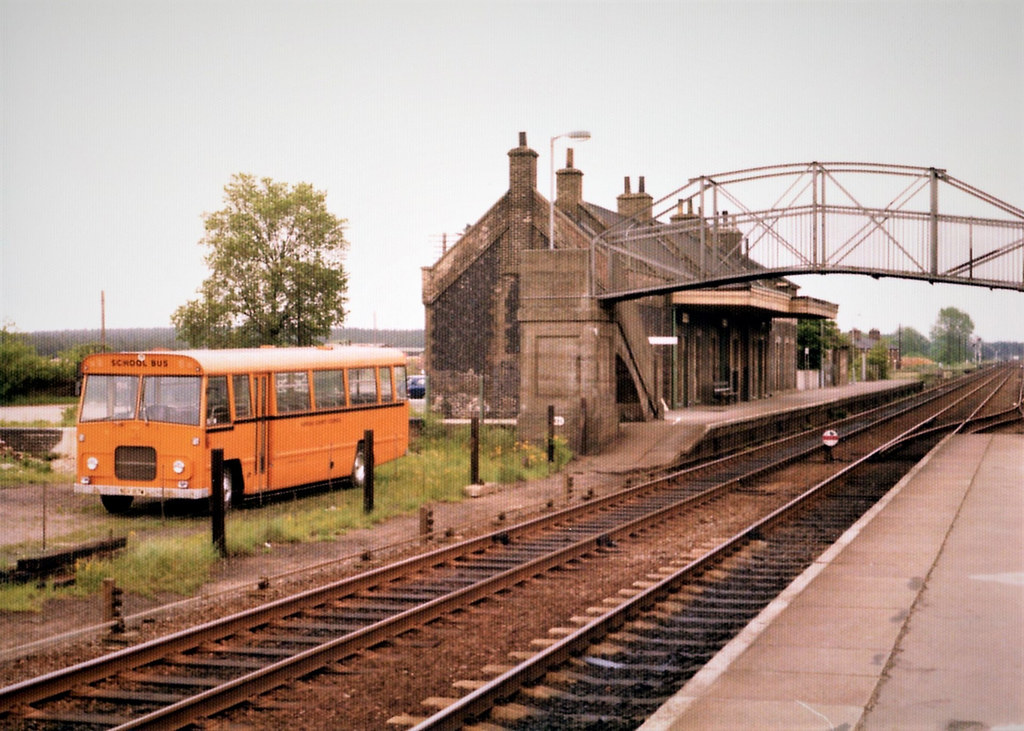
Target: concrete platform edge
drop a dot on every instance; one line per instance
(667, 714)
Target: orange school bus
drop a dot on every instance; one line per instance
(284, 417)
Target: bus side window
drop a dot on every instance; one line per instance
(385, 385)
(329, 389)
(217, 401)
(243, 401)
(362, 386)
(400, 383)
(292, 391)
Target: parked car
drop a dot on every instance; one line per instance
(416, 386)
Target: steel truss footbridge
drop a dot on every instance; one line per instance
(812, 218)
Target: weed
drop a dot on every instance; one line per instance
(17, 468)
(24, 597)
(147, 568)
(436, 469)
(152, 566)
(69, 415)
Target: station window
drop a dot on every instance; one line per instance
(362, 386)
(243, 399)
(329, 389)
(292, 391)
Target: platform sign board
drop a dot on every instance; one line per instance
(830, 438)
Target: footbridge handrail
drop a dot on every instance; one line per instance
(841, 217)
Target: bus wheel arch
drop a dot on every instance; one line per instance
(234, 486)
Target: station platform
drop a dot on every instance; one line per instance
(654, 444)
(914, 619)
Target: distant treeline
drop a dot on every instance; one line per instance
(1002, 350)
(50, 342)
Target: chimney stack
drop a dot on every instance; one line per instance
(522, 169)
(522, 186)
(637, 205)
(569, 185)
(680, 214)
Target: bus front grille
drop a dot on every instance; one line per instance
(135, 463)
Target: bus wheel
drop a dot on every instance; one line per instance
(359, 467)
(116, 504)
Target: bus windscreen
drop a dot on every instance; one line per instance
(171, 399)
(109, 398)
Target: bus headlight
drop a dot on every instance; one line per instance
(178, 466)
(92, 463)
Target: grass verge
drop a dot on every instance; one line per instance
(436, 469)
(152, 566)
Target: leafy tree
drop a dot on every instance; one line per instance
(21, 367)
(816, 336)
(69, 360)
(910, 342)
(878, 360)
(951, 336)
(276, 276)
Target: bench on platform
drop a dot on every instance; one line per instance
(723, 392)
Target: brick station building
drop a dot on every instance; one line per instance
(509, 320)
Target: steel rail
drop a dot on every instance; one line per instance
(1006, 416)
(985, 402)
(241, 688)
(974, 419)
(477, 703)
(230, 693)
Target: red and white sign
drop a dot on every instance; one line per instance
(830, 438)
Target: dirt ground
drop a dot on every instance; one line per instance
(29, 512)
(288, 565)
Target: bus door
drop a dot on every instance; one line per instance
(261, 384)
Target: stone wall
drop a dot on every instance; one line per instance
(33, 440)
(568, 347)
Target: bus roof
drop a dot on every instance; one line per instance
(241, 360)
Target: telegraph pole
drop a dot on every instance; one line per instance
(103, 321)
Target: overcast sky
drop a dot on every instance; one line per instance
(121, 122)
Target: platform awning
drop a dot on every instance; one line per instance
(777, 304)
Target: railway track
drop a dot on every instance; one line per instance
(174, 680)
(613, 672)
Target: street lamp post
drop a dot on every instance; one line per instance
(581, 135)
